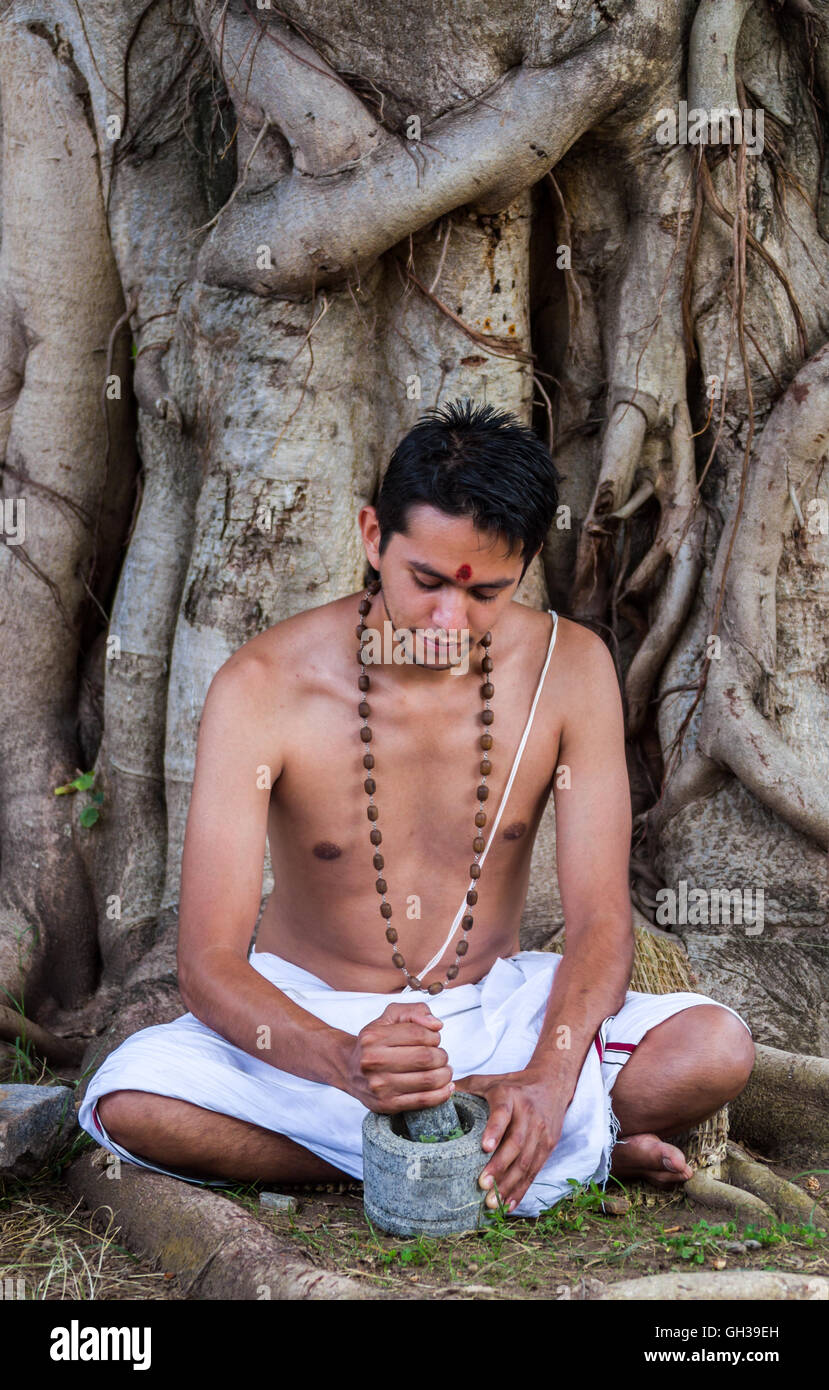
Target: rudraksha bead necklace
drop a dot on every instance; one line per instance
(370, 786)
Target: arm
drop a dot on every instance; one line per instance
(221, 881)
(396, 1061)
(593, 829)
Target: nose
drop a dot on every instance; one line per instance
(450, 610)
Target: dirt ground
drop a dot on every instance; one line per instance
(47, 1240)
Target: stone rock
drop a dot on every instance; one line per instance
(33, 1119)
(737, 1285)
(278, 1201)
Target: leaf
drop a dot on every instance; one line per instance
(89, 815)
(80, 784)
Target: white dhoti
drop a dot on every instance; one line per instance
(490, 1027)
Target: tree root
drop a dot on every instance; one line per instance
(787, 1200)
(712, 48)
(784, 1109)
(722, 1196)
(15, 1027)
(733, 731)
(329, 226)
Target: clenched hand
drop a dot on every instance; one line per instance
(397, 1063)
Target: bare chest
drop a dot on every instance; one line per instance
(428, 766)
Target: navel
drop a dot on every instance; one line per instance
(516, 830)
(326, 849)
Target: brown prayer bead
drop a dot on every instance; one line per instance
(364, 709)
(486, 767)
(488, 690)
(478, 844)
(381, 885)
(365, 606)
(488, 716)
(368, 760)
(452, 972)
(398, 960)
(372, 812)
(480, 819)
(385, 910)
(472, 897)
(487, 664)
(486, 639)
(414, 982)
(462, 948)
(378, 862)
(365, 734)
(436, 987)
(474, 871)
(360, 629)
(482, 792)
(391, 935)
(486, 742)
(370, 786)
(467, 922)
(375, 837)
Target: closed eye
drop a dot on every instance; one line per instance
(481, 598)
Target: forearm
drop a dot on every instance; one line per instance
(589, 985)
(233, 999)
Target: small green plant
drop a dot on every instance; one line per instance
(82, 783)
(456, 1133)
(422, 1252)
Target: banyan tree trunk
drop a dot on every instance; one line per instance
(242, 248)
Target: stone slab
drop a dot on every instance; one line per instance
(33, 1121)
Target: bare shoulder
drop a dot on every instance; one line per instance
(584, 652)
(288, 653)
(588, 686)
(579, 653)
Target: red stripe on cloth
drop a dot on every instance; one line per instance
(95, 1117)
(622, 1047)
(598, 1047)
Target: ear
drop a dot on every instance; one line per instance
(370, 532)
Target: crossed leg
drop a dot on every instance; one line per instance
(199, 1143)
(683, 1071)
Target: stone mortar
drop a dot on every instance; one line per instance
(411, 1188)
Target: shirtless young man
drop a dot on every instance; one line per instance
(270, 1074)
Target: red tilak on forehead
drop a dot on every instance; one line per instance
(463, 573)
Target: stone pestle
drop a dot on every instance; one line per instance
(435, 1124)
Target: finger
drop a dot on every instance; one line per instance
(513, 1182)
(414, 1100)
(404, 1059)
(499, 1117)
(400, 1035)
(510, 1148)
(410, 1013)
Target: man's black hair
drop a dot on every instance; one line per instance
(472, 460)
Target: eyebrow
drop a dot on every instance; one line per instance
(482, 584)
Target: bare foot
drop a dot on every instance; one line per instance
(648, 1156)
